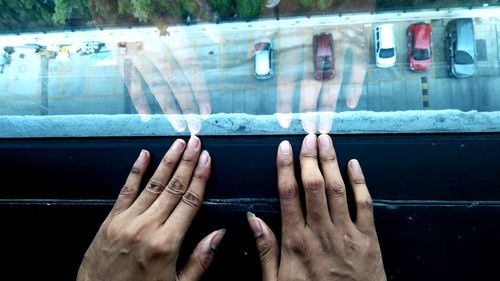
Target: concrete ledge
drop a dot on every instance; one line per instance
(354, 122)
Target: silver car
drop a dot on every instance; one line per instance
(263, 60)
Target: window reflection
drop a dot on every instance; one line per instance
(246, 67)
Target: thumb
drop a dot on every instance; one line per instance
(267, 246)
(202, 256)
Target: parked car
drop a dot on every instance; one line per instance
(385, 45)
(324, 56)
(460, 47)
(420, 46)
(263, 60)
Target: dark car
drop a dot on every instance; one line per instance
(460, 47)
(324, 56)
(420, 46)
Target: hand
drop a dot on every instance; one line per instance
(325, 244)
(141, 237)
(318, 99)
(172, 74)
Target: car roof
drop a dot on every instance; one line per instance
(422, 33)
(387, 39)
(262, 62)
(465, 34)
(323, 45)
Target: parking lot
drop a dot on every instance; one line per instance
(91, 84)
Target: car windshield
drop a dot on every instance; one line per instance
(462, 57)
(324, 63)
(386, 53)
(419, 54)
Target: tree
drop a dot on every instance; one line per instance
(71, 11)
(26, 13)
(304, 4)
(249, 8)
(223, 7)
(324, 4)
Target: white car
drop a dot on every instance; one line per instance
(263, 60)
(385, 45)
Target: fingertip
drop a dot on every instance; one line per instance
(255, 225)
(217, 239)
(355, 167)
(310, 142)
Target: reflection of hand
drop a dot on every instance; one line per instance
(317, 109)
(171, 74)
(325, 244)
(141, 237)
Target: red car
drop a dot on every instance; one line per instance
(420, 46)
(323, 56)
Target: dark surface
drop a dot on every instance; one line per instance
(437, 201)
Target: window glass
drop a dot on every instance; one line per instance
(146, 68)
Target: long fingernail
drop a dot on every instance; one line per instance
(355, 166)
(254, 225)
(325, 141)
(203, 159)
(284, 148)
(310, 141)
(194, 143)
(143, 155)
(214, 244)
(178, 146)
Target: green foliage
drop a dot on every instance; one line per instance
(25, 13)
(249, 8)
(70, 10)
(224, 7)
(304, 4)
(324, 4)
(188, 7)
(155, 10)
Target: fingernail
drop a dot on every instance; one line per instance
(145, 117)
(203, 159)
(254, 225)
(194, 143)
(285, 148)
(178, 146)
(309, 126)
(325, 141)
(310, 141)
(205, 109)
(284, 119)
(214, 244)
(143, 155)
(355, 166)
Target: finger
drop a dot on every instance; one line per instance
(178, 184)
(334, 185)
(364, 203)
(360, 59)
(131, 188)
(185, 211)
(309, 93)
(330, 93)
(160, 178)
(161, 91)
(313, 182)
(291, 211)
(267, 246)
(202, 256)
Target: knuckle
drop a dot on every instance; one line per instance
(160, 247)
(284, 162)
(169, 161)
(335, 189)
(192, 199)
(201, 174)
(134, 234)
(127, 189)
(287, 191)
(295, 244)
(176, 186)
(155, 186)
(365, 203)
(314, 184)
(136, 170)
(265, 249)
(359, 180)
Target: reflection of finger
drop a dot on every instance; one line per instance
(309, 92)
(137, 95)
(160, 90)
(360, 58)
(330, 93)
(288, 62)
